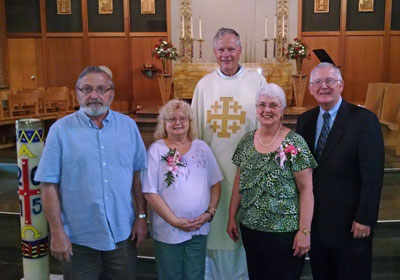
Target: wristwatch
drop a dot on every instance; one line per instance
(141, 216)
(306, 231)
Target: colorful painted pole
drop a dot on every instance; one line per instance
(34, 233)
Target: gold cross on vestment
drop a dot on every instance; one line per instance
(225, 128)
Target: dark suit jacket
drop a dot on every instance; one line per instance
(348, 180)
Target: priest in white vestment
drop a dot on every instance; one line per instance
(224, 104)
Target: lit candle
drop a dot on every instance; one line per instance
(191, 27)
(283, 26)
(275, 27)
(200, 37)
(183, 26)
(266, 28)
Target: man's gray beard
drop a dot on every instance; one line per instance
(95, 111)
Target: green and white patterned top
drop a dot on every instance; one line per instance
(270, 198)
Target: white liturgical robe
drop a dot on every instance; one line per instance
(225, 108)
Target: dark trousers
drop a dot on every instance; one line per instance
(270, 255)
(90, 264)
(352, 261)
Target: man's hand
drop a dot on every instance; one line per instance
(139, 231)
(60, 246)
(360, 231)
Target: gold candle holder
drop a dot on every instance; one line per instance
(200, 59)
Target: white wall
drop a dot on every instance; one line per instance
(247, 17)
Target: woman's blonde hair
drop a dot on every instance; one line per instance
(166, 112)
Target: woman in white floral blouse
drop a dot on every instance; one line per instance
(181, 183)
(272, 195)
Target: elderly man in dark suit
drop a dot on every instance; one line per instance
(347, 142)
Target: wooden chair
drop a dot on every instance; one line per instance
(50, 89)
(389, 115)
(74, 103)
(373, 101)
(33, 93)
(56, 101)
(4, 107)
(39, 89)
(22, 105)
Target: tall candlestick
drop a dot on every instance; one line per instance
(183, 26)
(275, 27)
(191, 27)
(200, 37)
(266, 28)
(283, 25)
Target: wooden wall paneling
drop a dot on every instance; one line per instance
(145, 90)
(114, 53)
(169, 20)
(4, 73)
(127, 30)
(41, 65)
(85, 30)
(386, 61)
(43, 49)
(22, 62)
(331, 45)
(364, 64)
(66, 61)
(394, 61)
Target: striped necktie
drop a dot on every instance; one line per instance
(323, 136)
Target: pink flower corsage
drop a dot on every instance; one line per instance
(283, 153)
(173, 160)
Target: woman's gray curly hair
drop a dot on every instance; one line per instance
(166, 112)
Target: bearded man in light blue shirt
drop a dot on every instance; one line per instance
(90, 174)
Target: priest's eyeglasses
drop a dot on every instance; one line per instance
(271, 106)
(330, 82)
(102, 89)
(180, 119)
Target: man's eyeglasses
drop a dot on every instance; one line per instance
(180, 119)
(330, 82)
(271, 106)
(102, 89)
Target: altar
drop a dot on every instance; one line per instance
(186, 76)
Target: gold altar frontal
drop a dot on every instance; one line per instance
(186, 76)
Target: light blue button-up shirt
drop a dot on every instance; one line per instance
(94, 169)
(320, 120)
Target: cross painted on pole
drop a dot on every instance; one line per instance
(219, 122)
(26, 192)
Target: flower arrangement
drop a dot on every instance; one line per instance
(173, 160)
(165, 50)
(297, 49)
(284, 153)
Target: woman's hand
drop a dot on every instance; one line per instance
(185, 224)
(202, 219)
(232, 230)
(301, 244)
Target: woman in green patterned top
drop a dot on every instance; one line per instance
(272, 195)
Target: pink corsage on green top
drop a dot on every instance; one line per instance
(284, 153)
(174, 161)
